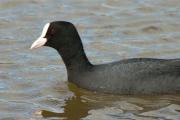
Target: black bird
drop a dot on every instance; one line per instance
(128, 76)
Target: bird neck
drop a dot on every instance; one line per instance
(75, 58)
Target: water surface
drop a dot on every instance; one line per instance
(33, 84)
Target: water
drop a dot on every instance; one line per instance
(33, 84)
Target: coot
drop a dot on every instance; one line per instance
(128, 76)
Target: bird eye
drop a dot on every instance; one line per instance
(52, 32)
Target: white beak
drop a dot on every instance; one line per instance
(38, 43)
(41, 40)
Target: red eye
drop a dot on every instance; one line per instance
(52, 32)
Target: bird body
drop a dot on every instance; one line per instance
(131, 76)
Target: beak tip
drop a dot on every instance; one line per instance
(32, 47)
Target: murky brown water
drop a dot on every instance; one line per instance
(33, 84)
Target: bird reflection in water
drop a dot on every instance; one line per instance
(74, 109)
